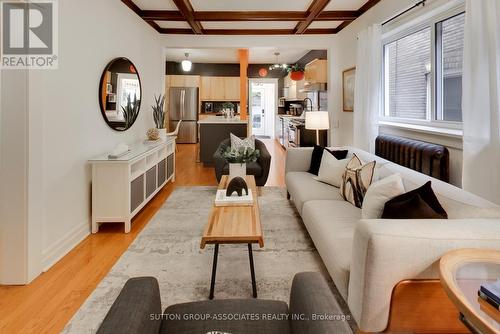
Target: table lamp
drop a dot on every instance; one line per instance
(317, 120)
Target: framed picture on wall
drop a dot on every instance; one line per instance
(348, 81)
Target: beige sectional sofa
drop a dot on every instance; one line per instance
(368, 258)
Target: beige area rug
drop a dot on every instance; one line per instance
(169, 249)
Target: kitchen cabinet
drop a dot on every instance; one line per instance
(232, 88)
(183, 80)
(316, 71)
(220, 89)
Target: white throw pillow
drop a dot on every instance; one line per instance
(331, 169)
(237, 142)
(379, 193)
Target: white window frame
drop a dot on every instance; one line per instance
(404, 28)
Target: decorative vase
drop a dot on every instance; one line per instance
(297, 75)
(237, 169)
(163, 134)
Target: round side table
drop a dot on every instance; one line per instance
(462, 273)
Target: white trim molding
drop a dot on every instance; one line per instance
(64, 245)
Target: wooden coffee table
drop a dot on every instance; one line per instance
(234, 225)
(462, 272)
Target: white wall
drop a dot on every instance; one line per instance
(13, 172)
(344, 56)
(91, 34)
(66, 126)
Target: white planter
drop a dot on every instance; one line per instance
(163, 134)
(237, 170)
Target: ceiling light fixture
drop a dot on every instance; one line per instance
(186, 63)
(277, 65)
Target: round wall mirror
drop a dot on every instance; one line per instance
(120, 94)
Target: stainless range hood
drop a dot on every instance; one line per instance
(314, 87)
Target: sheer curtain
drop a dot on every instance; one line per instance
(481, 99)
(367, 92)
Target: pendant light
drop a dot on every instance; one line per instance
(186, 63)
(277, 65)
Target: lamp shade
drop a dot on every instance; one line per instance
(317, 120)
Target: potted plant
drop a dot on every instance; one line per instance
(296, 72)
(130, 111)
(238, 158)
(228, 109)
(159, 115)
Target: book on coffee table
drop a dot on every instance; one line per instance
(222, 200)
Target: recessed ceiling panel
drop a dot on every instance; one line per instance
(345, 4)
(264, 55)
(250, 5)
(249, 25)
(155, 4)
(214, 55)
(173, 24)
(325, 24)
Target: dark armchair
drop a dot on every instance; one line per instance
(259, 169)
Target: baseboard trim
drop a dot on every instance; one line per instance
(64, 245)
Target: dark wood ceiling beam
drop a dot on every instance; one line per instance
(369, 4)
(176, 31)
(187, 11)
(130, 4)
(162, 15)
(313, 12)
(323, 31)
(173, 15)
(326, 31)
(337, 15)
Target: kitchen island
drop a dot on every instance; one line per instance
(213, 130)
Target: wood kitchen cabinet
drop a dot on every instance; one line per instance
(220, 89)
(232, 88)
(317, 71)
(183, 80)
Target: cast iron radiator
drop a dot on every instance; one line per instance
(427, 158)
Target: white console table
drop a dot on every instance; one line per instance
(122, 187)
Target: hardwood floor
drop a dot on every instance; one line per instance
(49, 302)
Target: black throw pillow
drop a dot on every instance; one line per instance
(413, 207)
(317, 155)
(409, 205)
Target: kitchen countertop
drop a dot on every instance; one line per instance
(222, 120)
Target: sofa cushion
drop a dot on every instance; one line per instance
(253, 168)
(331, 225)
(458, 203)
(379, 193)
(356, 180)
(303, 187)
(218, 316)
(317, 156)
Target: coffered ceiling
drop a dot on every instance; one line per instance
(249, 17)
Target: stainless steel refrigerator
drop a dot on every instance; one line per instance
(183, 105)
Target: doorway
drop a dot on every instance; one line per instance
(263, 106)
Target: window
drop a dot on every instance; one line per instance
(407, 70)
(449, 63)
(423, 72)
